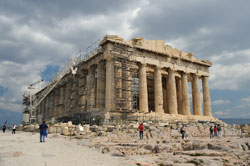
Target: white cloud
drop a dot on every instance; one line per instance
(244, 103)
(219, 113)
(9, 106)
(220, 102)
(246, 99)
(228, 73)
(224, 113)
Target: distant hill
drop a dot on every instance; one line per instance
(235, 120)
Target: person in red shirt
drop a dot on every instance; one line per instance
(141, 129)
(215, 131)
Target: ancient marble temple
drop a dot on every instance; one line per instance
(129, 80)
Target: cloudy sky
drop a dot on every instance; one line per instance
(37, 37)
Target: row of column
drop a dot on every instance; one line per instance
(174, 94)
(97, 92)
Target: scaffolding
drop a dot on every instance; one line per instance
(125, 78)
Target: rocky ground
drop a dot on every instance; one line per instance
(162, 144)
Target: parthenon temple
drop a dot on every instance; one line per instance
(127, 80)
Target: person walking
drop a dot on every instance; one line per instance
(43, 127)
(182, 130)
(219, 131)
(4, 128)
(215, 131)
(13, 129)
(141, 129)
(211, 132)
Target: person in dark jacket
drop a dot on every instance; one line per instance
(182, 131)
(211, 132)
(43, 127)
(4, 128)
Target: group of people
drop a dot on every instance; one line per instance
(215, 131)
(43, 130)
(141, 130)
(13, 128)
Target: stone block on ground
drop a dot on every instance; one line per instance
(66, 131)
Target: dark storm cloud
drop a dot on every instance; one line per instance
(37, 9)
(221, 25)
(46, 29)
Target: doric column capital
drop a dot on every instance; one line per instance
(109, 58)
(143, 64)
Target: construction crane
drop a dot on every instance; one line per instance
(31, 87)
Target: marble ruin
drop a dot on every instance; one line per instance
(127, 80)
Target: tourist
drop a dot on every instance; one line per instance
(141, 129)
(219, 131)
(182, 130)
(215, 131)
(4, 128)
(43, 127)
(13, 129)
(211, 132)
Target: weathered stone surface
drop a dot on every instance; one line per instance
(65, 131)
(86, 128)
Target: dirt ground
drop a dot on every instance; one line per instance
(25, 149)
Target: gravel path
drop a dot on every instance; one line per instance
(24, 149)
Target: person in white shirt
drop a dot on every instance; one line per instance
(13, 129)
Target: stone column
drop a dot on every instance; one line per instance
(82, 91)
(109, 84)
(185, 96)
(73, 95)
(56, 102)
(197, 107)
(91, 87)
(179, 95)
(47, 107)
(44, 109)
(171, 89)
(67, 97)
(100, 85)
(51, 104)
(158, 90)
(126, 86)
(143, 92)
(206, 97)
(61, 101)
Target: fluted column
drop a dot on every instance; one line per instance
(82, 91)
(197, 107)
(185, 96)
(100, 85)
(67, 98)
(126, 86)
(47, 107)
(206, 97)
(91, 89)
(171, 88)
(44, 109)
(179, 95)
(143, 93)
(62, 95)
(109, 83)
(52, 104)
(158, 90)
(61, 101)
